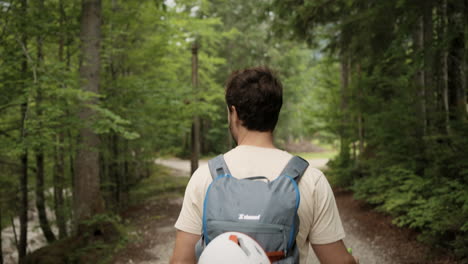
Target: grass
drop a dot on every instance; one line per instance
(159, 184)
(317, 155)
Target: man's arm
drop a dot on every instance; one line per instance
(184, 249)
(334, 253)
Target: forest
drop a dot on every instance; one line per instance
(93, 91)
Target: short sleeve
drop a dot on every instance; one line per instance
(190, 217)
(326, 223)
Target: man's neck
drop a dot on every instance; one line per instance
(256, 138)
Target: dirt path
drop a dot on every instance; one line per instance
(371, 235)
(152, 240)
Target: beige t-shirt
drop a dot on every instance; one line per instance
(320, 222)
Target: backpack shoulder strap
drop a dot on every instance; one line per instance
(295, 168)
(218, 167)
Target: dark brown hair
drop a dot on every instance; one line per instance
(257, 96)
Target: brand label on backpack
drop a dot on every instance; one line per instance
(249, 217)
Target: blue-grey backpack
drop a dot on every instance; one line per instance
(264, 210)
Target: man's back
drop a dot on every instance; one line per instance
(254, 98)
(319, 219)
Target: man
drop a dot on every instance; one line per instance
(254, 97)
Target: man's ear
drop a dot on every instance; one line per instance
(235, 117)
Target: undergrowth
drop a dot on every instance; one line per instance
(161, 183)
(436, 207)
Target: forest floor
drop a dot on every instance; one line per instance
(370, 234)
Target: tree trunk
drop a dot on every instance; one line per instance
(59, 157)
(418, 42)
(360, 117)
(427, 89)
(87, 200)
(23, 215)
(125, 174)
(196, 120)
(456, 61)
(1, 228)
(115, 172)
(40, 199)
(344, 140)
(445, 93)
(23, 241)
(59, 185)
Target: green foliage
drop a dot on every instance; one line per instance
(403, 141)
(101, 237)
(438, 208)
(106, 234)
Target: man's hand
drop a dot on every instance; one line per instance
(184, 249)
(334, 253)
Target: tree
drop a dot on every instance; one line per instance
(87, 197)
(23, 241)
(39, 150)
(406, 65)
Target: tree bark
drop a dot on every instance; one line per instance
(23, 215)
(457, 61)
(40, 198)
(58, 181)
(87, 197)
(125, 174)
(59, 157)
(1, 228)
(344, 140)
(418, 43)
(115, 170)
(445, 92)
(427, 89)
(360, 117)
(23, 241)
(196, 119)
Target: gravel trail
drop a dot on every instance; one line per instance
(367, 252)
(370, 234)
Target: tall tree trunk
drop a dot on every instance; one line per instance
(427, 89)
(23, 241)
(457, 60)
(344, 140)
(115, 165)
(40, 198)
(125, 174)
(23, 215)
(105, 172)
(196, 120)
(1, 228)
(59, 164)
(59, 157)
(87, 199)
(59, 185)
(445, 91)
(418, 42)
(360, 117)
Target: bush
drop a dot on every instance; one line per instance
(438, 209)
(99, 238)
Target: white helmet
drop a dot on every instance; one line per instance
(233, 247)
